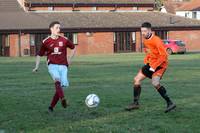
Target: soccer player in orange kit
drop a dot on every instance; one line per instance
(156, 62)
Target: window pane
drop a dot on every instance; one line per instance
(94, 8)
(75, 38)
(7, 41)
(180, 43)
(69, 36)
(133, 37)
(50, 8)
(194, 14)
(32, 40)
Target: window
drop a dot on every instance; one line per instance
(32, 40)
(75, 38)
(162, 34)
(166, 42)
(194, 15)
(134, 37)
(38, 40)
(123, 42)
(69, 36)
(7, 41)
(135, 8)
(94, 8)
(50, 8)
(72, 37)
(114, 37)
(180, 43)
(187, 14)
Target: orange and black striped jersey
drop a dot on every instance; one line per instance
(156, 54)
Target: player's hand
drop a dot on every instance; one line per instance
(35, 69)
(151, 69)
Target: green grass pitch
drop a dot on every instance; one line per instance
(24, 96)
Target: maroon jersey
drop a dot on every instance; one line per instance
(56, 50)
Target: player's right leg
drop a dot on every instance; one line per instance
(136, 91)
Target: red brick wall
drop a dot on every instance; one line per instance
(14, 45)
(191, 38)
(103, 43)
(145, 8)
(138, 41)
(91, 8)
(105, 8)
(63, 8)
(39, 8)
(83, 8)
(125, 8)
(25, 43)
(97, 43)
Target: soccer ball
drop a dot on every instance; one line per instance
(92, 100)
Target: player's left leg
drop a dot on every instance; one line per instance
(161, 89)
(63, 71)
(59, 94)
(64, 76)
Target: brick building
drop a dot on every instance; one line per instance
(184, 8)
(189, 10)
(95, 26)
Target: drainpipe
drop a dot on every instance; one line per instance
(19, 43)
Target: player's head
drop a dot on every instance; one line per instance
(146, 29)
(55, 27)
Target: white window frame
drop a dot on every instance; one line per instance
(94, 8)
(32, 40)
(75, 38)
(50, 8)
(134, 37)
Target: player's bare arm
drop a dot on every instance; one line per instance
(73, 52)
(37, 63)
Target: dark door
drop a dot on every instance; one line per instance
(124, 42)
(36, 42)
(1, 45)
(4, 45)
(162, 34)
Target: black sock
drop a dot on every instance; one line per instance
(164, 95)
(50, 108)
(136, 93)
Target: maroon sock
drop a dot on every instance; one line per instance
(54, 100)
(59, 90)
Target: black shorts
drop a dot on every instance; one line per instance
(147, 72)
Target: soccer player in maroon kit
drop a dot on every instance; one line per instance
(55, 47)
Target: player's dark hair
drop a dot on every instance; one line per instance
(53, 23)
(146, 25)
